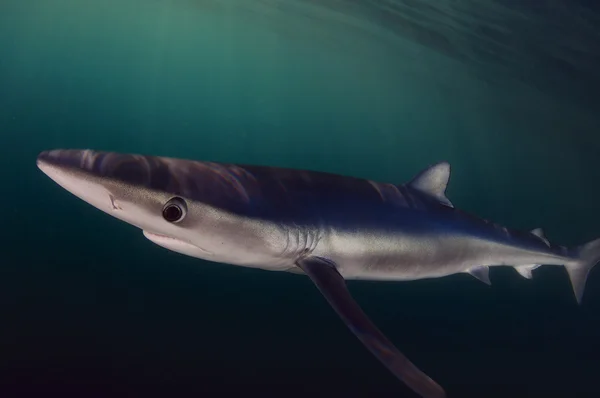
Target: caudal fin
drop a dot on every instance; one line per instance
(588, 256)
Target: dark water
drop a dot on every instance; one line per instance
(507, 91)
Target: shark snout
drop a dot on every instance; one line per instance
(73, 170)
(64, 159)
(129, 169)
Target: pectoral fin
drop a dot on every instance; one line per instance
(332, 285)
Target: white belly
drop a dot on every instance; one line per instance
(410, 257)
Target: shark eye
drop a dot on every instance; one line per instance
(174, 210)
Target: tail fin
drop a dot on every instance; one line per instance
(588, 256)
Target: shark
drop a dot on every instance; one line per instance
(328, 227)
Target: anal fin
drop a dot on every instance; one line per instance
(332, 285)
(482, 273)
(525, 270)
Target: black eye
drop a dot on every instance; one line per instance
(174, 210)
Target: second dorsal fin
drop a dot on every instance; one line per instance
(540, 234)
(433, 182)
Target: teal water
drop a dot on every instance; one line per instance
(506, 92)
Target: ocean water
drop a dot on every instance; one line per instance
(507, 91)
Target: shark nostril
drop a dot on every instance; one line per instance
(113, 201)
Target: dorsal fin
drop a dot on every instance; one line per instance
(540, 234)
(433, 182)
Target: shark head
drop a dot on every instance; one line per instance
(190, 207)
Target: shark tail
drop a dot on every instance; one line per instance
(587, 256)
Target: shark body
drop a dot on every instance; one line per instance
(330, 227)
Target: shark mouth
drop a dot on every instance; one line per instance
(176, 245)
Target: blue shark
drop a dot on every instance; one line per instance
(331, 228)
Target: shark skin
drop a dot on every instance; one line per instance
(328, 227)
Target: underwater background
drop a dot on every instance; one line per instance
(507, 91)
